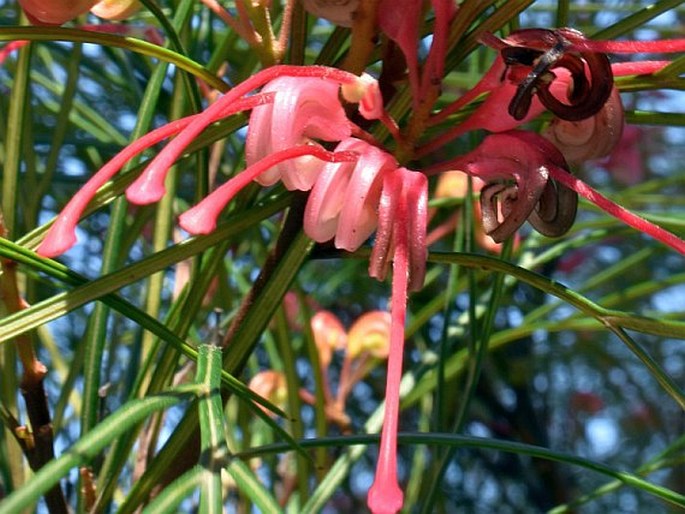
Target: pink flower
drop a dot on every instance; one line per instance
(149, 187)
(54, 12)
(544, 192)
(304, 109)
(57, 12)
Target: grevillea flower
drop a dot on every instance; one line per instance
(358, 187)
(370, 333)
(272, 385)
(150, 185)
(518, 186)
(57, 12)
(544, 192)
(54, 12)
(115, 9)
(539, 69)
(329, 335)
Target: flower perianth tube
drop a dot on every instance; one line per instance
(150, 186)
(201, 219)
(61, 235)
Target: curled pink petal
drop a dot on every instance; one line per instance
(201, 219)
(358, 216)
(526, 158)
(344, 200)
(327, 198)
(304, 109)
(410, 187)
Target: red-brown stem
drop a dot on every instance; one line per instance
(41, 450)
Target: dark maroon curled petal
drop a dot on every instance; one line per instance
(546, 50)
(505, 207)
(533, 38)
(584, 101)
(513, 55)
(537, 80)
(556, 210)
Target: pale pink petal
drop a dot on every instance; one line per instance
(304, 109)
(326, 201)
(358, 217)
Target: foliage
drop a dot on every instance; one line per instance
(541, 375)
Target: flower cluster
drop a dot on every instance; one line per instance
(359, 187)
